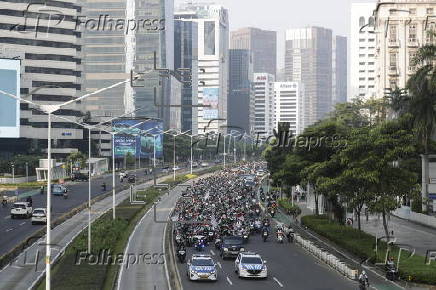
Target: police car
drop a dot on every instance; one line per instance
(250, 265)
(202, 267)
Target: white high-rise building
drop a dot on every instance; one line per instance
(264, 105)
(308, 60)
(51, 71)
(401, 28)
(362, 51)
(288, 105)
(213, 59)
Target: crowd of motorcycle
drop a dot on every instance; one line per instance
(223, 205)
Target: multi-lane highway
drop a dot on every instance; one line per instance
(14, 231)
(289, 267)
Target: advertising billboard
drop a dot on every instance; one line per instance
(9, 107)
(210, 98)
(130, 140)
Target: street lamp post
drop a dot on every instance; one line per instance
(49, 110)
(224, 152)
(27, 171)
(13, 172)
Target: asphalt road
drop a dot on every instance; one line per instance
(14, 231)
(289, 267)
(147, 241)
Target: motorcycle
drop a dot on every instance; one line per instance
(257, 211)
(199, 246)
(280, 238)
(217, 243)
(181, 254)
(264, 235)
(65, 195)
(210, 236)
(363, 285)
(391, 272)
(272, 212)
(245, 237)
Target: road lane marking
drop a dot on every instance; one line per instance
(22, 223)
(219, 265)
(278, 282)
(8, 230)
(212, 252)
(7, 217)
(230, 281)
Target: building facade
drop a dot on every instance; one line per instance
(213, 57)
(362, 51)
(288, 96)
(261, 43)
(308, 60)
(401, 29)
(241, 96)
(264, 104)
(51, 71)
(186, 57)
(340, 76)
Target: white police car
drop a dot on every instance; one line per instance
(250, 265)
(202, 267)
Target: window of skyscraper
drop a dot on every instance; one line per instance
(209, 37)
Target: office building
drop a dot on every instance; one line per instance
(405, 24)
(339, 63)
(362, 51)
(241, 96)
(186, 57)
(288, 96)
(213, 46)
(50, 73)
(264, 105)
(308, 60)
(261, 43)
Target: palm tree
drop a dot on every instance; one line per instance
(422, 106)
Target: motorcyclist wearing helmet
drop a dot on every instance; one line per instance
(363, 280)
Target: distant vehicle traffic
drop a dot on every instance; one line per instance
(21, 209)
(194, 164)
(79, 176)
(204, 164)
(58, 189)
(39, 215)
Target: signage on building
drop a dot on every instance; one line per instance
(261, 78)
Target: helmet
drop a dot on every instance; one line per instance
(363, 272)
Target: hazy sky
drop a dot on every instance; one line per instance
(280, 15)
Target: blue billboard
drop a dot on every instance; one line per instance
(131, 138)
(9, 107)
(210, 98)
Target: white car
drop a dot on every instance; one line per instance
(39, 215)
(204, 164)
(202, 267)
(21, 209)
(250, 265)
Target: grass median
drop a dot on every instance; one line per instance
(108, 236)
(412, 267)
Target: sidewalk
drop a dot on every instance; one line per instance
(29, 266)
(421, 238)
